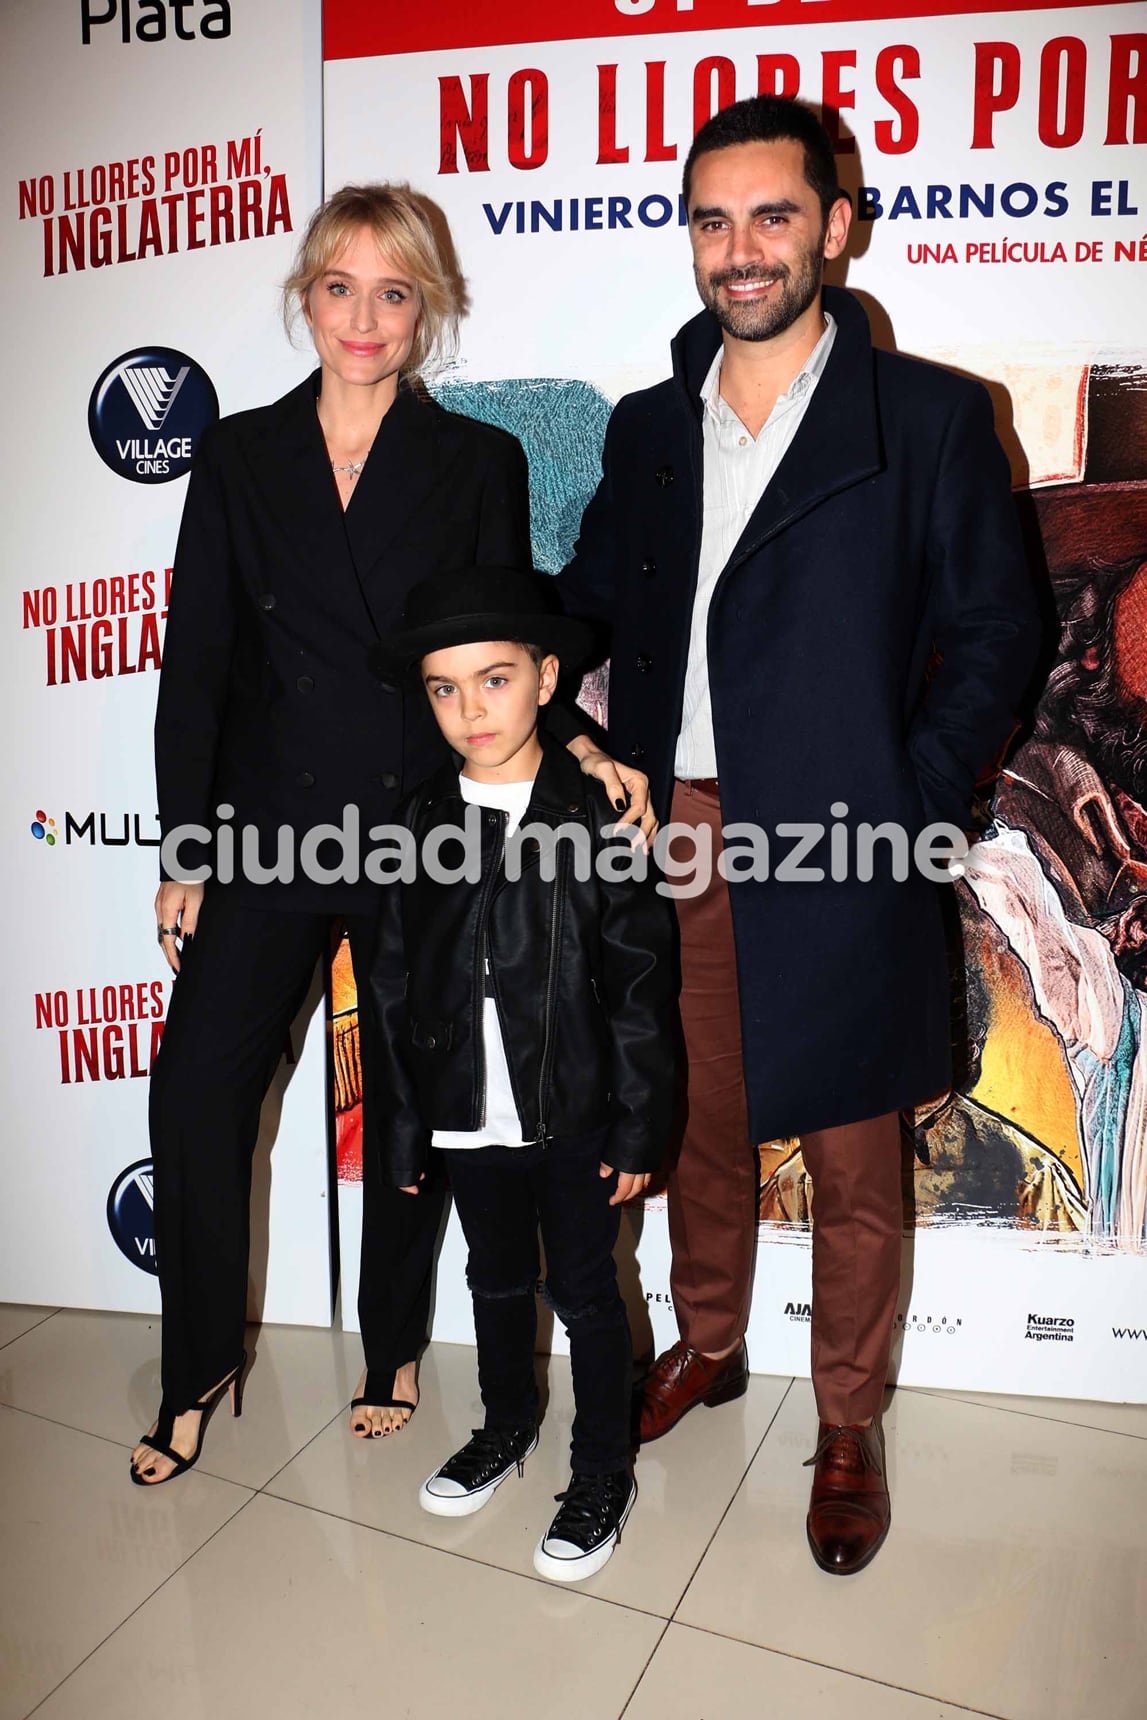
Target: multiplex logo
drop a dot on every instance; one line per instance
(150, 21)
(97, 829)
(799, 1311)
(162, 393)
(131, 1204)
(1050, 1328)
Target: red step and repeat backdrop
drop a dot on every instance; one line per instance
(996, 164)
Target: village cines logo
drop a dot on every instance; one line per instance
(148, 411)
(1049, 1328)
(131, 1204)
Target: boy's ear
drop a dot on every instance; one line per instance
(548, 671)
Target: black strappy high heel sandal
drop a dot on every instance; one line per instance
(381, 1400)
(160, 1440)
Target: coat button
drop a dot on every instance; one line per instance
(637, 751)
(431, 1042)
(267, 601)
(642, 663)
(649, 568)
(305, 684)
(388, 779)
(665, 476)
(305, 779)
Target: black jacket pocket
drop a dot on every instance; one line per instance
(431, 1035)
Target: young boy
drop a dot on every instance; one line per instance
(526, 1003)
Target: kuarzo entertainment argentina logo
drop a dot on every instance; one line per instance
(148, 411)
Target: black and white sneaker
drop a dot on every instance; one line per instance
(468, 1480)
(582, 1536)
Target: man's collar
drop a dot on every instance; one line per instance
(805, 379)
(694, 344)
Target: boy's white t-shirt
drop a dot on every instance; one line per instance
(502, 1126)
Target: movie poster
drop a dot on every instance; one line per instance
(995, 162)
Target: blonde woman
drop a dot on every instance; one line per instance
(306, 523)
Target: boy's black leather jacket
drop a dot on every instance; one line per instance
(582, 972)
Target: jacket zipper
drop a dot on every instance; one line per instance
(478, 981)
(551, 992)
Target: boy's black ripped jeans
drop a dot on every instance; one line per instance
(502, 1195)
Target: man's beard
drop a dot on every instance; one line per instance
(764, 318)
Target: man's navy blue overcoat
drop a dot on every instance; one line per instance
(888, 532)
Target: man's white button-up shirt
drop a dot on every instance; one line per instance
(738, 467)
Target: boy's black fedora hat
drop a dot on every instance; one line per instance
(476, 603)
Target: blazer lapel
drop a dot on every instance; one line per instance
(402, 469)
(838, 442)
(293, 473)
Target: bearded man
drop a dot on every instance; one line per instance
(784, 535)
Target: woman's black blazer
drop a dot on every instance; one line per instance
(266, 702)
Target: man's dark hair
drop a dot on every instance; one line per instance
(771, 119)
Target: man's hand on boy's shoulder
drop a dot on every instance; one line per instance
(630, 1184)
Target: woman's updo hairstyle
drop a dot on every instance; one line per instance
(413, 234)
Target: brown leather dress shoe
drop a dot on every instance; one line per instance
(683, 1377)
(849, 1511)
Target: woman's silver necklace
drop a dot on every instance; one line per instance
(352, 467)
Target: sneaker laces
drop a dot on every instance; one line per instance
(486, 1446)
(588, 1503)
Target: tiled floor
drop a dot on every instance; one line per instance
(294, 1575)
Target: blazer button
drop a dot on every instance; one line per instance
(637, 751)
(305, 779)
(665, 476)
(267, 601)
(305, 684)
(431, 1042)
(649, 568)
(642, 663)
(388, 779)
